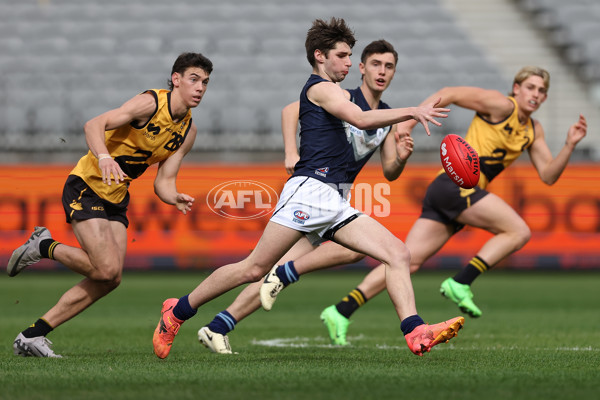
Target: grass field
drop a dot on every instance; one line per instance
(538, 339)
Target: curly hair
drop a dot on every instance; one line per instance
(324, 35)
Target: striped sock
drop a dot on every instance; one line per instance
(287, 273)
(351, 303)
(47, 247)
(223, 323)
(468, 274)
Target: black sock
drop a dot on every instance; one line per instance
(351, 303)
(47, 247)
(468, 274)
(39, 328)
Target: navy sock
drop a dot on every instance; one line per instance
(408, 324)
(183, 310)
(287, 273)
(223, 323)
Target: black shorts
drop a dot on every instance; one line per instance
(445, 200)
(80, 202)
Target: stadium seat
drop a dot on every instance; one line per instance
(103, 53)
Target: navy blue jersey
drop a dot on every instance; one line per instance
(348, 149)
(364, 142)
(324, 150)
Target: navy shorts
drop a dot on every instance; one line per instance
(445, 200)
(80, 202)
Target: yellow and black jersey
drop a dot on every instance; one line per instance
(135, 148)
(499, 144)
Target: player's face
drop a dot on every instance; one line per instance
(378, 71)
(530, 94)
(191, 86)
(337, 62)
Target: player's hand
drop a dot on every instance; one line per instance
(290, 163)
(428, 113)
(184, 202)
(404, 145)
(111, 169)
(577, 131)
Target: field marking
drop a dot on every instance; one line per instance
(318, 341)
(323, 342)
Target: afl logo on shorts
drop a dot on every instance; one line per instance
(300, 217)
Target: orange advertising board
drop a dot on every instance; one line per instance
(234, 202)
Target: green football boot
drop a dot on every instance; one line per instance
(336, 324)
(461, 295)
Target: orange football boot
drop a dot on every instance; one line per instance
(167, 328)
(424, 337)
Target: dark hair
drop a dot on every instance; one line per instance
(324, 36)
(378, 47)
(190, 60)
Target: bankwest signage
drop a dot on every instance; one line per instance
(234, 203)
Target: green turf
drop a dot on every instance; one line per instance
(537, 339)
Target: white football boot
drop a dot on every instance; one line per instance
(270, 288)
(29, 253)
(213, 341)
(38, 346)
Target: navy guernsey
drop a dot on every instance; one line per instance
(363, 142)
(324, 150)
(349, 148)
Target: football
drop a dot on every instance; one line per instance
(460, 161)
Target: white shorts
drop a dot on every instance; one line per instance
(311, 206)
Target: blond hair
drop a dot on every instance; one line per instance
(528, 71)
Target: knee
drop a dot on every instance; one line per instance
(400, 256)
(255, 273)
(350, 257)
(522, 236)
(109, 273)
(414, 267)
(113, 283)
(404, 254)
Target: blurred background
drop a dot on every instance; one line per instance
(63, 62)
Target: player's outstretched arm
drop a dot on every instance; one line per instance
(491, 103)
(331, 97)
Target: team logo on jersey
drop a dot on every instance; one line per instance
(75, 205)
(322, 171)
(300, 217)
(242, 200)
(153, 129)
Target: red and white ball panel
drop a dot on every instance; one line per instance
(460, 161)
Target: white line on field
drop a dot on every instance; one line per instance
(322, 342)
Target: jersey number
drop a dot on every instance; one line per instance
(176, 141)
